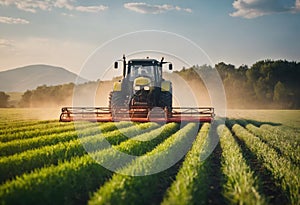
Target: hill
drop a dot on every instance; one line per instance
(30, 77)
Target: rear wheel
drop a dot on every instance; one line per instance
(116, 101)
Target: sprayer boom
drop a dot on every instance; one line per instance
(137, 114)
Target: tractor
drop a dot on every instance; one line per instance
(142, 95)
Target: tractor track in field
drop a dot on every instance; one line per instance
(214, 195)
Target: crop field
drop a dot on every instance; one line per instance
(256, 160)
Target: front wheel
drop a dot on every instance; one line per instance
(165, 101)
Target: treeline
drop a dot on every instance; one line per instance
(62, 95)
(47, 96)
(266, 84)
(4, 99)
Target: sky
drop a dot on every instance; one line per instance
(66, 33)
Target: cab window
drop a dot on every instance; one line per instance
(142, 71)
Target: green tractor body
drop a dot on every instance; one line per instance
(142, 89)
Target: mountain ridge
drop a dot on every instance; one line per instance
(29, 77)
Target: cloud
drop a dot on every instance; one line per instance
(67, 14)
(10, 20)
(64, 4)
(28, 5)
(68, 4)
(144, 8)
(254, 8)
(91, 9)
(33, 5)
(4, 43)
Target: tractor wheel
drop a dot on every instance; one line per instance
(166, 100)
(116, 100)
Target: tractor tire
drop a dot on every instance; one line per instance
(165, 101)
(117, 104)
(116, 100)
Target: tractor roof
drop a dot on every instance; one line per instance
(144, 61)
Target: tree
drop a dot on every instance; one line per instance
(280, 93)
(26, 99)
(3, 99)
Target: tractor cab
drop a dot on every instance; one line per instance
(144, 74)
(141, 70)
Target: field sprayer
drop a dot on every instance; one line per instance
(141, 96)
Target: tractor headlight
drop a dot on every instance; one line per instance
(137, 87)
(146, 88)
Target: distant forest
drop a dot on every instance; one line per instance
(266, 84)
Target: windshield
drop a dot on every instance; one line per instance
(142, 71)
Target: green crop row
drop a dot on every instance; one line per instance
(37, 130)
(278, 134)
(187, 188)
(136, 188)
(287, 148)
(285, 174)
(144, 143)
(17, 146)
(241, 186)
(13, 128)
(118, 156)
(284, 132)
(70, 182)
(21, 125)
(54, 184)
(26, 161)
